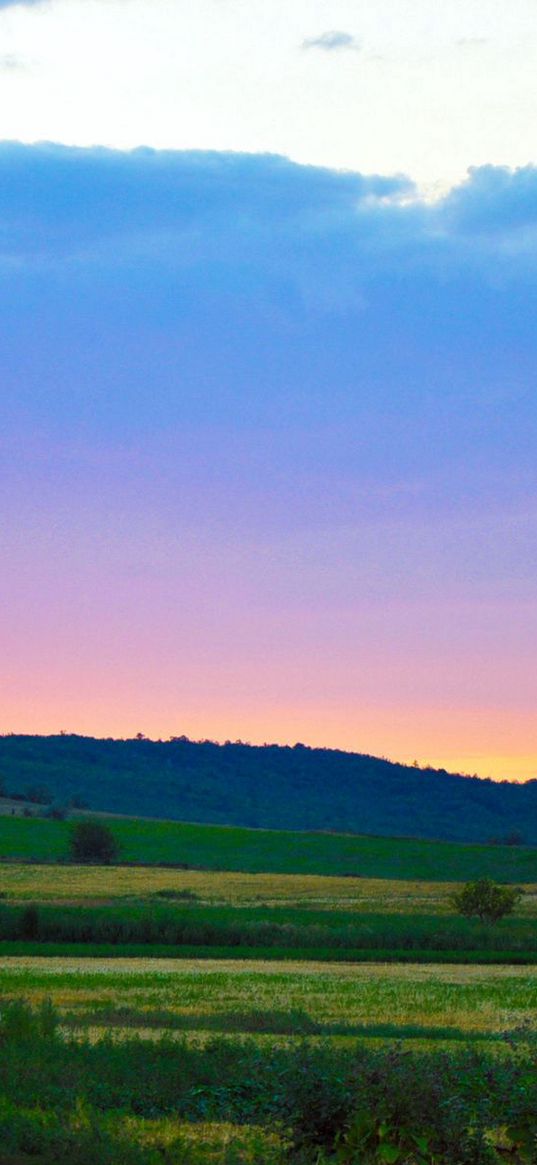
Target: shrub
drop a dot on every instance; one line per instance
(486, 901)
(177, 895)
(39, 795)
(93, 841)
(56, 812)
(29, 922)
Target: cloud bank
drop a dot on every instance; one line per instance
(274, 423)
(326, 240)
(258, 292)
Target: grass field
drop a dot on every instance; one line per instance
(424, 1002)
(292, 1053)
(147, 911)
(157, 1063)
(79, 884)
(272, 851)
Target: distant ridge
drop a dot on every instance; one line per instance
(269, 786)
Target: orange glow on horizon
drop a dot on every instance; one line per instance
(435, 738)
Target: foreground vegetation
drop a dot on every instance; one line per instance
(138, 1101)
(271, 851)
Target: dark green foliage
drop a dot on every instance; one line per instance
(270, 786)
(340, 1104)
(80, 1136)
(56, 812)
(258, 929)
(486, 901)
(93, 841)
(39, 795)
(29, 922)
(176, 895)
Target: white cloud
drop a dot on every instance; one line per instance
(231, 76)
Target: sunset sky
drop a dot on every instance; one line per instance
(268, 354)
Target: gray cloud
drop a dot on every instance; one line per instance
(332, 41)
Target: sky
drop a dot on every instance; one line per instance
(268, 416)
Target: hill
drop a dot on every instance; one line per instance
(293, 788)
(218, 847)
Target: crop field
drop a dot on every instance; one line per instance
(376, 1000)
(87, 884)
(128, 1062)
(257, 1024)
(210, 847)
(114, 910)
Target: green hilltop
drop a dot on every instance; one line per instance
(268, 787)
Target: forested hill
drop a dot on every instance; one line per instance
(270, 786)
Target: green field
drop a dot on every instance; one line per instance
(261, 850)
(158, 1063)
(157, 912)
(281, 1006)
(428, 1003)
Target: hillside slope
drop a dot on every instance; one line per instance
(258, 851)
(271, 787)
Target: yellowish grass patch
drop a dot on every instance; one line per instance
(92, 883)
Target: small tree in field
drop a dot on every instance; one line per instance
(93, 841)
(485, 900)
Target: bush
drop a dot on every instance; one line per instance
(93, 841)
(486, 901)
(39, 795)
(56, 812)
(29, 922)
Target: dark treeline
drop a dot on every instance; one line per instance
(268, 786)
(262, 928)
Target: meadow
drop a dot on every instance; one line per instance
(198, 1063)
(80, 884)
(114, 910)
(374, 1000)
(296, 1017)
(253, 931)
(230, 848)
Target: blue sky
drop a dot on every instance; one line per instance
(268, 425)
